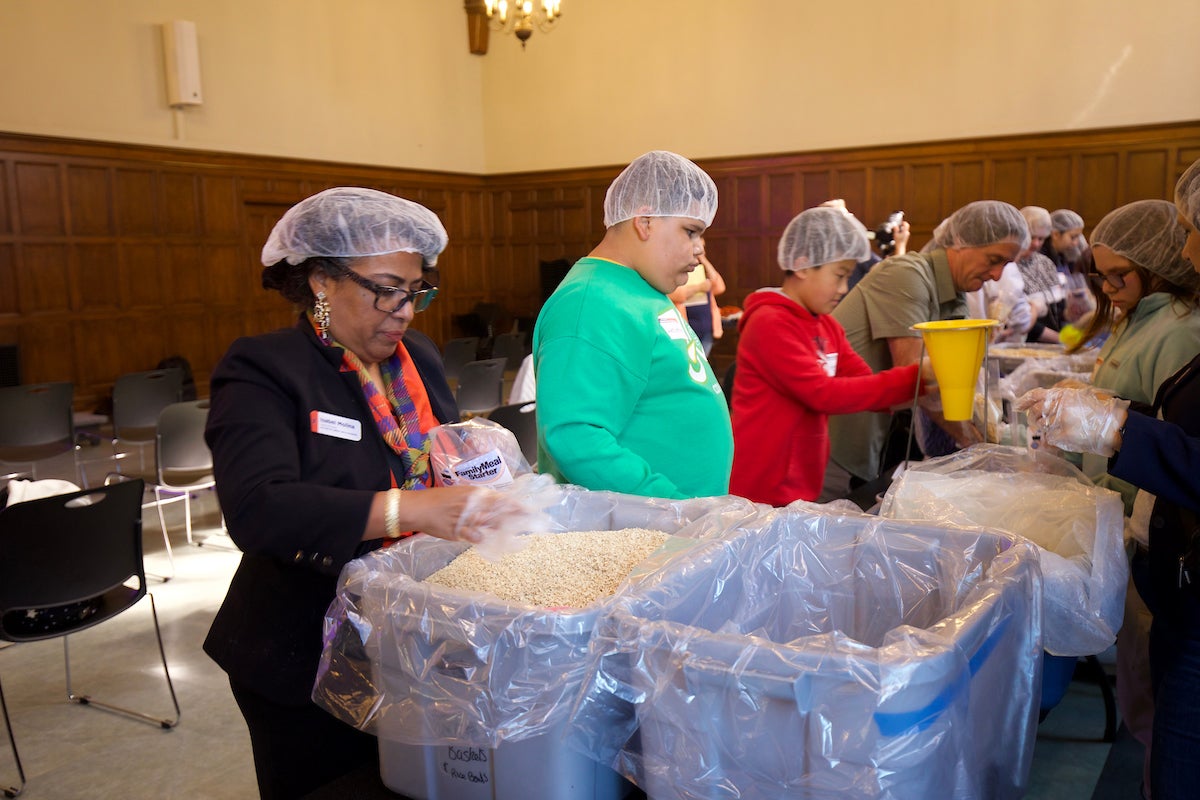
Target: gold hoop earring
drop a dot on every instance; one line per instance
(320, 314)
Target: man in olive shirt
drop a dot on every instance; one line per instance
(970, 247)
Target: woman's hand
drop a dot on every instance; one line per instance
(1080, 420)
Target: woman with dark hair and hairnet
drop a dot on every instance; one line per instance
(1155, 447)
(320, 444)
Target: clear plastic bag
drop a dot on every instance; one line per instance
(477, 451)
(1077, 527)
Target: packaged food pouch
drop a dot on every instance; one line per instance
(477, 451)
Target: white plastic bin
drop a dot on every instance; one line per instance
(811, 655)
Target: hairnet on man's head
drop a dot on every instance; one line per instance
(351, 222)
(981, 224)
(1038, 220)
(1187, 195)
(822, 235)
(1064, 219)
(1147, 233)
(661, 184)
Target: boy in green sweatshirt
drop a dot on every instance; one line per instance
(626, 400)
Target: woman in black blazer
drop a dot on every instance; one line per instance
(321, 454)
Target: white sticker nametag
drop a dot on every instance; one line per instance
(327, 424)
(488, 469)
(672, 324)
(829, 362)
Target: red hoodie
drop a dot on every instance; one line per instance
(794, 369)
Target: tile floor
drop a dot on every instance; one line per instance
(76, 753)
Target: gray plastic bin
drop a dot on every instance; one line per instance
(816, 656)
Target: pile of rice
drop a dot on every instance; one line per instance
(555, 570)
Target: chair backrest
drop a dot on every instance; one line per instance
(521, 419)
(138, 399)
(481, 385)
(458, 352)
(37, 414)
(69, 548)
(180, 441)
(511, 347)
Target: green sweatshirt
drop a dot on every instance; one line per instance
(626, 400)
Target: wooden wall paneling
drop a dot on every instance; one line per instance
(1009, 180)
(925, 197)
(1100, 182)
(817, 188)
(220, 206)
(966, 185)
(225, 324)
(96, 282)
(180, 204)
(45, 344)
(183, 268)
(852, 187)
(783, 192)
(227, 276)
(145, 276)
(6, 207)
(135, 200)
(39, 199)
(9, 299)
(1185, 157)
(1146, 172)
(89, 200)
(187, 333)
(1051, 182)
(43, 278)
(885, 194)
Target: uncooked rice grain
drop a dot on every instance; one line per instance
(555, 570)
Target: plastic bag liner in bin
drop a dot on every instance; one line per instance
(1078, 528)
(811, 655)
(428, 665)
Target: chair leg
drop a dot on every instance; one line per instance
(87, 700)
(1110, 701)
(12, 791)
(162, 522)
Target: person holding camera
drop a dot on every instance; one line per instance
(891, 237)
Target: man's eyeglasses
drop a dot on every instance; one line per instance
(1114, 279)
(390, 299)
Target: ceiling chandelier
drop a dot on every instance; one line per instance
(522, 17)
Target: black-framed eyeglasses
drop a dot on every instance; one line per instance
(390, 299)
(1114, 279)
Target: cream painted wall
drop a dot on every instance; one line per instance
(340, 80)
(356, 81)
(713, 78)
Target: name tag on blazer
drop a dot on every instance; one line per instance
(327, 424)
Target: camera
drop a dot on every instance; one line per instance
(885, 234)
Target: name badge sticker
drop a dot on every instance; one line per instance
(672, 324)
(327, 424)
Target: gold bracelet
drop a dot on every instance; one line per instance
(391, 515)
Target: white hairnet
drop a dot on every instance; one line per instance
(1187, 195)
(820, 236)
(1038, 220)
(1147, 232)
(661, 184)
(983, 223)
(350, 222)
(1064, 219)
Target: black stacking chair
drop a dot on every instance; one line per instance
(521, 419)
(458, 352)
(480, 386)
(37, 423)
(511, 347)
(69, 563)
(138, 399)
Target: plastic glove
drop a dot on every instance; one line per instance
(493, 521)
(1079, 420)
(1020, 319)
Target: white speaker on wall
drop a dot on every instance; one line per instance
(182, 59)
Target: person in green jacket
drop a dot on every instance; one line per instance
(626, 400)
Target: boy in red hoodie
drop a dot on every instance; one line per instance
(795, 367)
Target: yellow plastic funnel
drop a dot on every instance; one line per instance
(956, 348)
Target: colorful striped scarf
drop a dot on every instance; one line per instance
(401, 428)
